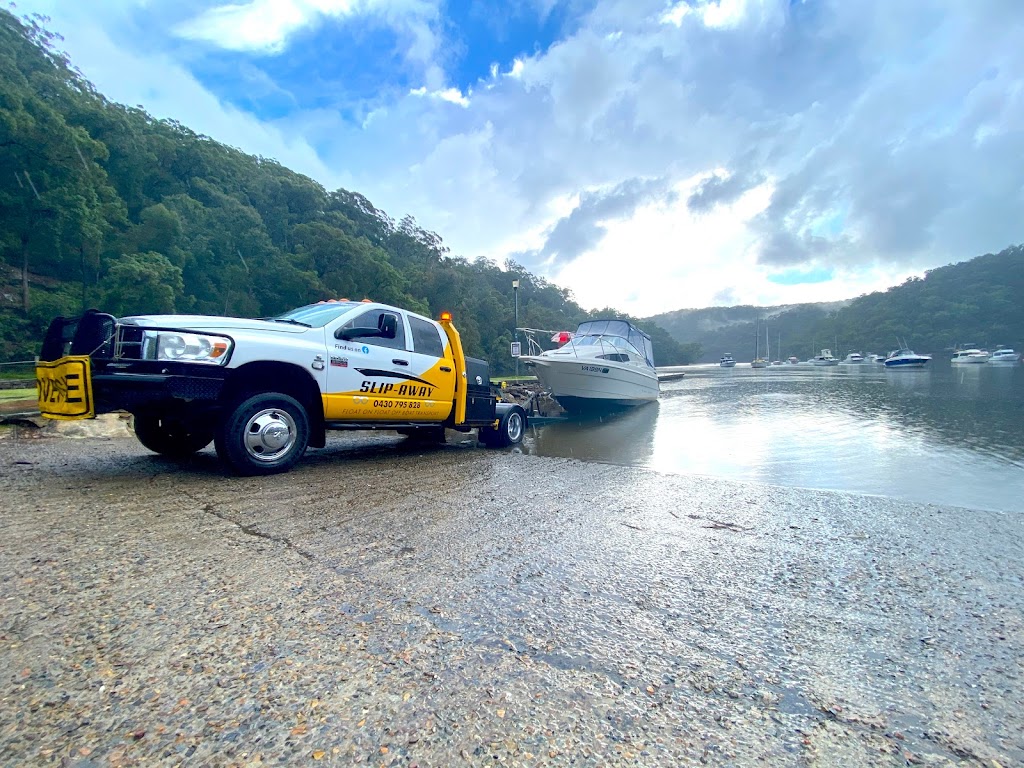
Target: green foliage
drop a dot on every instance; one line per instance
(103, 206)
(141, 282)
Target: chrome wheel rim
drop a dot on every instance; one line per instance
(269, 435)
(515, 427)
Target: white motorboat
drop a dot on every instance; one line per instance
(727, 361)
(608, 365)
(970, 356)
(854, 358)
(1004, 356)
(792, 360)
(906, 358)
(825, 358)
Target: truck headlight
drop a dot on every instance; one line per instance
(187, 347)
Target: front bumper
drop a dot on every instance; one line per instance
(133, 391)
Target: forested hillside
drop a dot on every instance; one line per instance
(731, 329)
(103, 206)
(977, 302)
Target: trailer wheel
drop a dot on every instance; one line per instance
(509, 432)
(263, 435)
(171, 435)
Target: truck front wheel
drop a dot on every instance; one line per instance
(170, 435)
(263, 435)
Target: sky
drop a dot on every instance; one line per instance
(648, 155)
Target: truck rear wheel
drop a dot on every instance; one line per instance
(170, 435)
(263, 435)
(509, 432)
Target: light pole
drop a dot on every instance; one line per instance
(515, 293)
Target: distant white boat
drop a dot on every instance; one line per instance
(727, 361)
(825, 358)
(1004, 356)
(793, 360)
(854, 358)
(970, 356)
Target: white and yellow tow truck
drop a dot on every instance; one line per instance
(264, 390)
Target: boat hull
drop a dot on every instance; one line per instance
(906, 363)
(582, 386)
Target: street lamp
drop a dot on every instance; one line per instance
(515, 293)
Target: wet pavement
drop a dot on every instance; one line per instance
(390, 604)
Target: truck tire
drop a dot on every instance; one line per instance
(263, 435)
(171, 435)
(509, 432)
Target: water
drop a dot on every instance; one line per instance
(947, 435)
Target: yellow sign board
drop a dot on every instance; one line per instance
(65, 388)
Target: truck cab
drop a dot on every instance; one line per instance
(263, 390)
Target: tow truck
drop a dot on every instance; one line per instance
(264, 390)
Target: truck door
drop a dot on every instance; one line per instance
(373, 376)
(430, 356)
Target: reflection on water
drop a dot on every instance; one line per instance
(946, 435)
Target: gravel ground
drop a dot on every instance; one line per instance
(390, 604)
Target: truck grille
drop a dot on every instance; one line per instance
(128, 344)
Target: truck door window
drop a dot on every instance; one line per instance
(425, 338)
(370, 320)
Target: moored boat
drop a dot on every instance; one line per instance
(1004, 356)
(970, 356)
(607, 365)
(727, 361)
(854, 358)
(825, 358)
(906, 358)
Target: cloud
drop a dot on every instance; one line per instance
(451, 95)
(261, 25)
(721, 188)
(871, 139)
(580, 231)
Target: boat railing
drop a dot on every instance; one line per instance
(533, 346)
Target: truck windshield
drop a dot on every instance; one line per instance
(317, 315)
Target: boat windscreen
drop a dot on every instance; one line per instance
(626, 330)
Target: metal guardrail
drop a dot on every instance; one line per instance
(17, 374)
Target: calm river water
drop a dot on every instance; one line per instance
(945, 436)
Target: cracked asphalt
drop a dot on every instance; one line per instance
(390, 604)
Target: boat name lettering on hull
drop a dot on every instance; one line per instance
(397, 390)
(594, 369)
